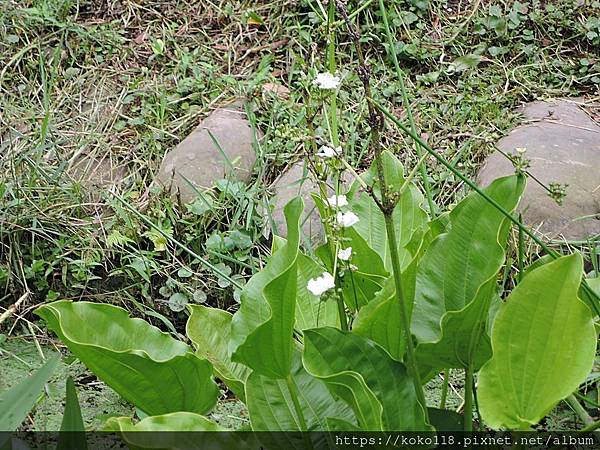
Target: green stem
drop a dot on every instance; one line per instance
(333, 258)
(342, 313)
(333, 120)
(591, 427)
(586, 400)
(294, 394)
(386, 204)
(354, 174)
(481, 424)
(444, 395)
(579, 410)
(331, 53)
(521, 251)
(329, 242)
(490, 200)
(468, 413)
(400, 75)
(411, 361)
(354, 290)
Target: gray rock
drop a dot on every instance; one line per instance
(220, 146)
(297, 181)
(563, 146)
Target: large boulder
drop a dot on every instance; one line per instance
(297, 181)
(563, 146)
(220, 146)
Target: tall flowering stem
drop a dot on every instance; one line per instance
(328, 221)
(332, 67)
(409, 114)
(386, 202)
(329, 81)
(335, 138)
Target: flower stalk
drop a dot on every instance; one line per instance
(386, 203)
(407, 107)
(332, 66)
(594, 298)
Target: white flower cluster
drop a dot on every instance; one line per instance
(344, 254)
(338, 200)
(328, 152)
(326, 281)
(321, 284)
(346, 219)
(326, 80)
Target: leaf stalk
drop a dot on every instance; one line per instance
(293, 389)
(468, 412)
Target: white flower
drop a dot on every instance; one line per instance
(338, 200)
(328, 152)
(321, 284)
(346, 219)
(327, 80)
(345, 254)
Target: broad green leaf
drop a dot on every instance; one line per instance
(587, 297)
(594, 284)
(311, 311)
(271, 407)
(537, 263)
(178, 430)
(338, 425)
(368, 274)
(456, 279)
(410, 220)
(270, 404)
(18, 400)
(493, 310)
(72, 429)
(209, 330)
(262, 329)
(133, 357)
(177, 421)
(363, 374)
(544, 344)
(464, 340)
(439, 225)
(381, 320)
